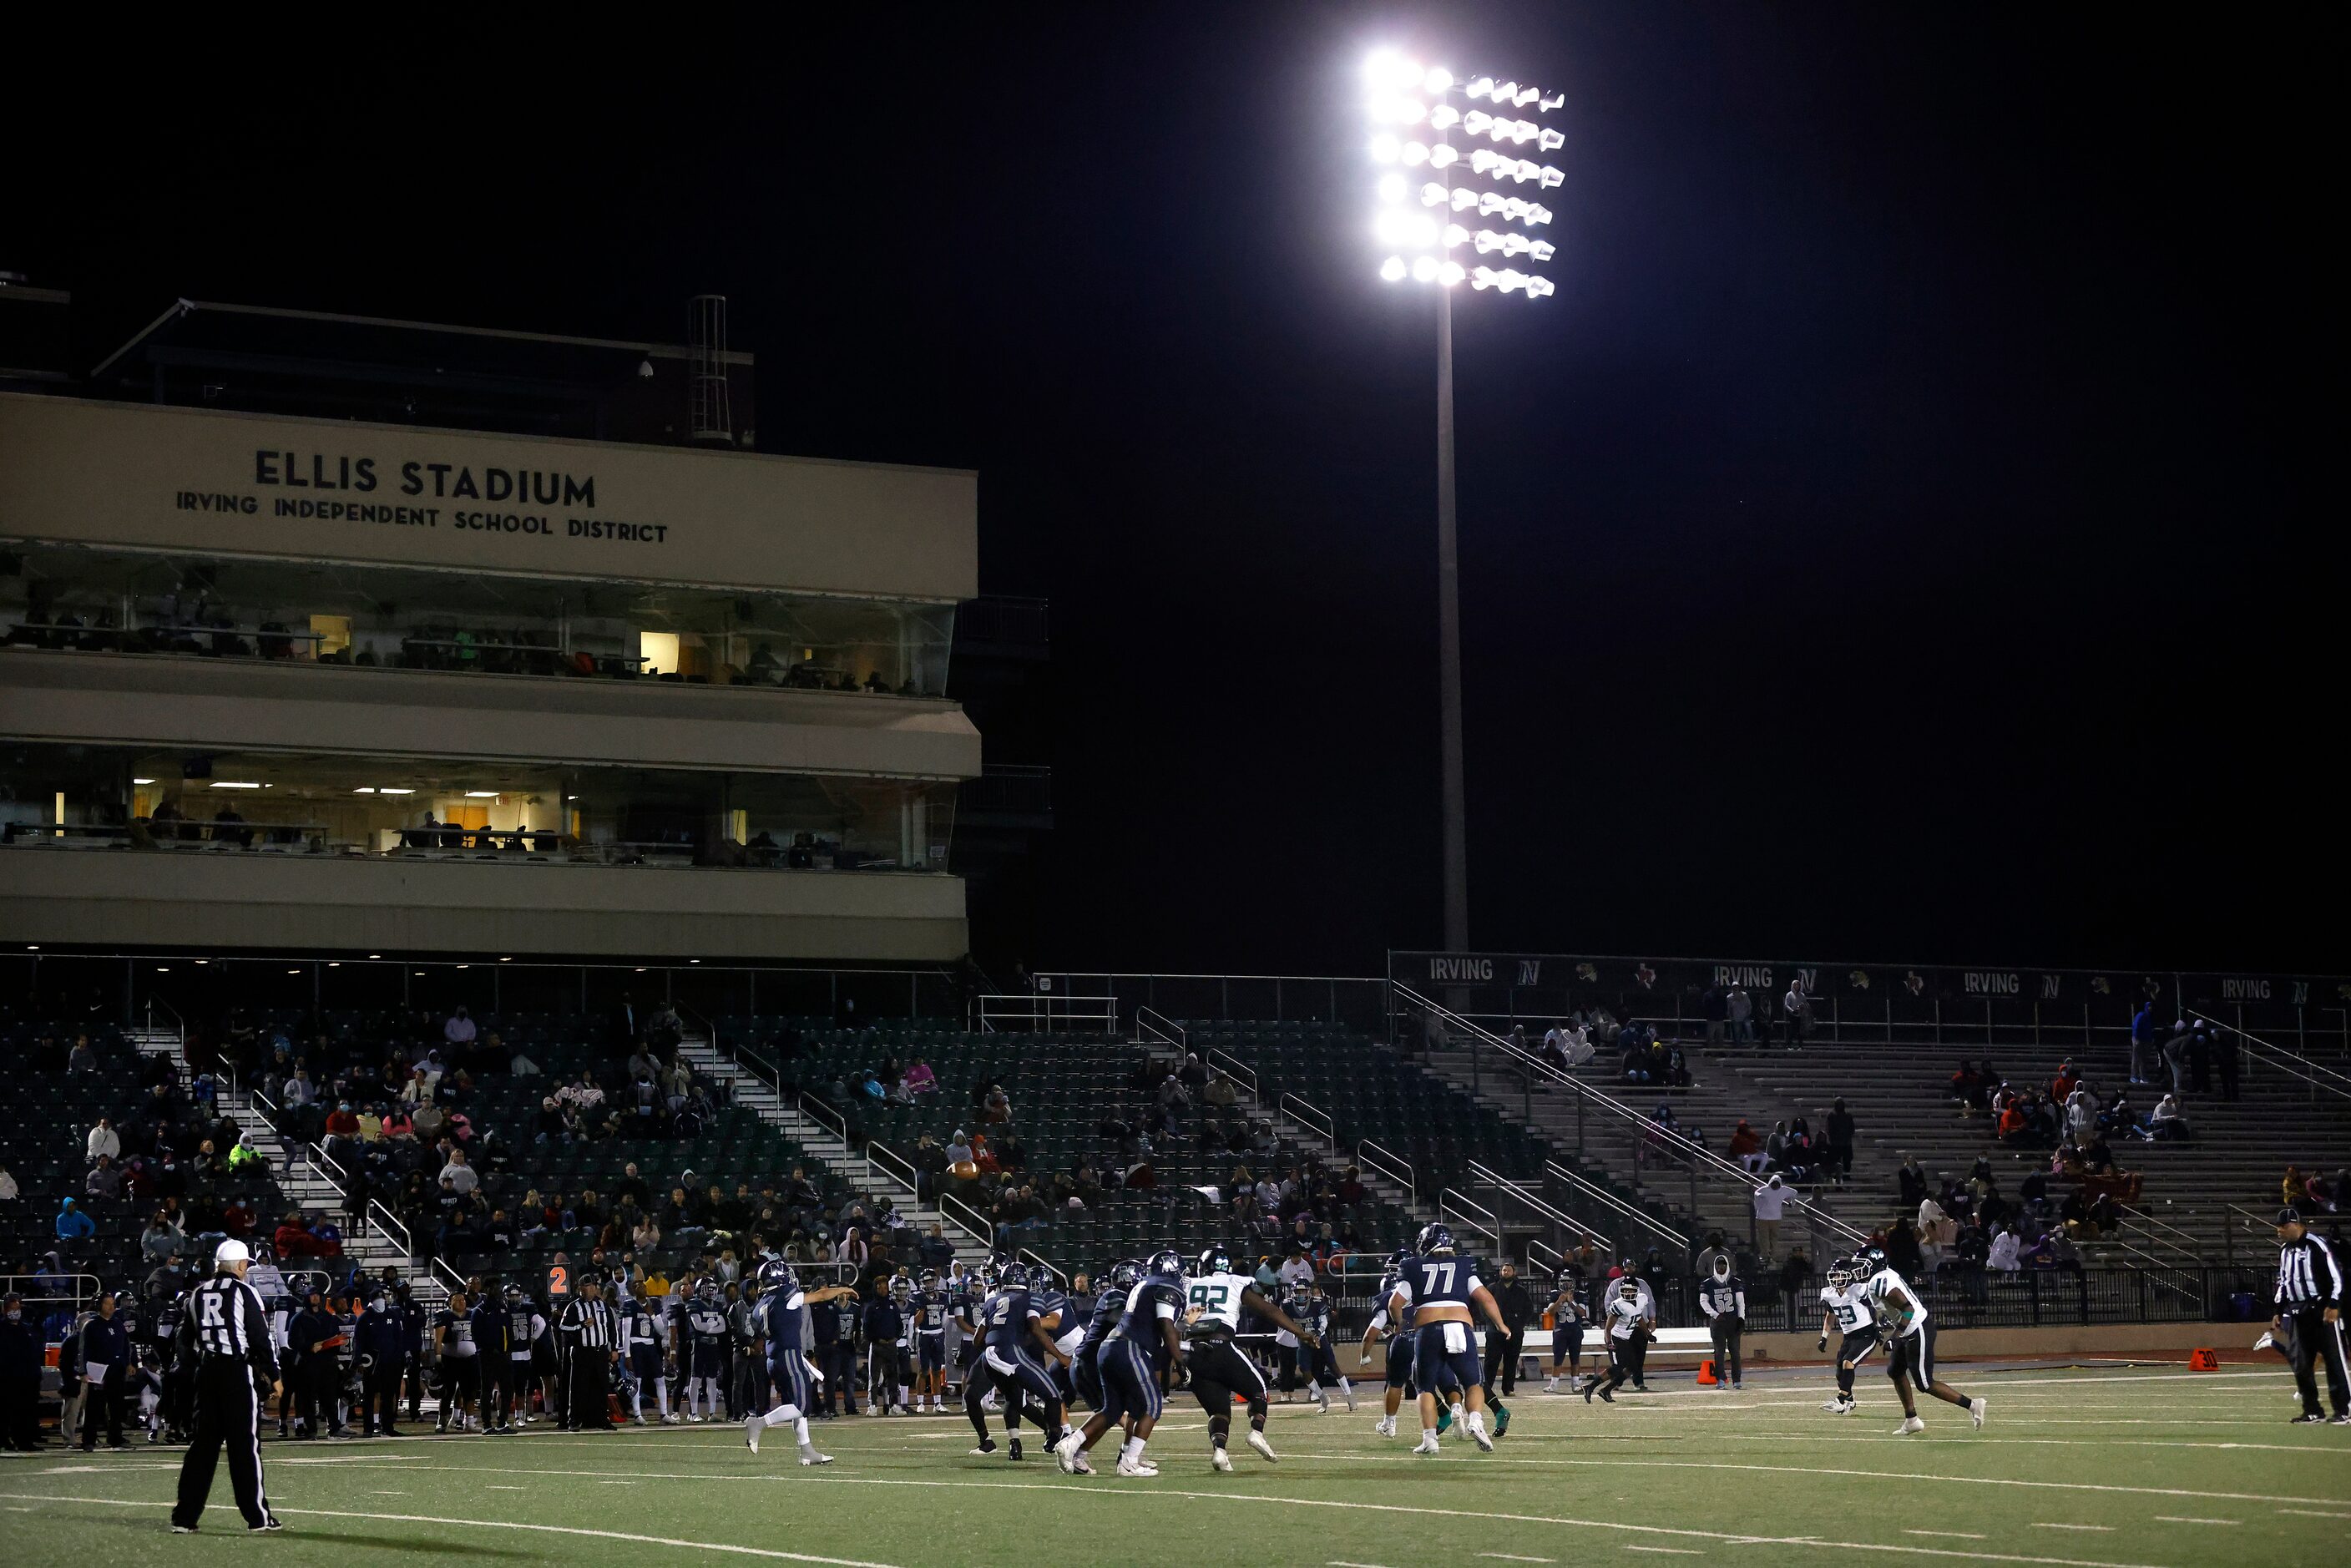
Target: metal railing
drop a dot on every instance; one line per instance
(1642, 1133)
(1312, 1118)
(1356, 1001)
(2279, 1058)
(1044, 1009)
(1592, 1192)
(1037, 1260)
(1386, 1163)
(1151, 1023)
(883, 1162)
(1462, 1209)
(967, 1220)
(1234, 1068)
(1527, 1194)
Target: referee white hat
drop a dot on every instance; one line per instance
(230, 1251)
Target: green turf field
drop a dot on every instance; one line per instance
(2106, 1466)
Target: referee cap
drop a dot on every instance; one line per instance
(2289, 1214)
(230, 1251)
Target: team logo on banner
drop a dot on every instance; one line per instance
(1588, 974)
(1914, 983)
(2098, 984)
(1858, 979)
(1647, 977)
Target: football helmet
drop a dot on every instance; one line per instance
(514, 1295)
(901, 1288)
(1126, 1274)
(1628, 1289)
(1434, 1238)
(1215, 1261)
(1869, 1261)
(929, 1279)
(1167, 1262)
(777, 1275)
(1012, 1277)
(1840, 1275)
(708, 1291)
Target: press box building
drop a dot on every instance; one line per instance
(335, 634)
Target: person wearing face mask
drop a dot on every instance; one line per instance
(21, 1354)
(1722, 1297)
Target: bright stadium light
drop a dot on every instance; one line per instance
(1393, 81)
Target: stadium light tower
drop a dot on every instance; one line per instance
(1430, 191)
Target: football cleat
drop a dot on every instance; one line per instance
(1384, 1427)
(1265, 1450)
(1478, 1435)
(1975, 1412)
(1015, 1454)
(1137, 1467)
(810, 1457)
(1219, 1460)
(751, 1432)
(1427, 1443)
(1080, 1467)
(986, 1447)
(1837, 1406)
(1065, 1454)
(1910, 1428)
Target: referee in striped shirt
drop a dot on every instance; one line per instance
(591, 1337)
(226, 1337)
(2310, 1296)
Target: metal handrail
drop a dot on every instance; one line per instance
(1234, 1068)
(825, 1116)
(879, 1153)
(1161, 1028)
(967, 1220)
(1472, 1213)
(1523, 1191)
(1312, 1118)
(1698, 1156)
(1552, 1259)
(1602, 1196)
(2293, 1063)
(1389, 1163)
(1037, 1260)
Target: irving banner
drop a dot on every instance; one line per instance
(1532, 986)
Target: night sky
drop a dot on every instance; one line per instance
(1900, 538)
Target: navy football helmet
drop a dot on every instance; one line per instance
(1126, 1274)
(901, 1288)
(707, 1289)
(778, 1275)
(1012, 1277)
(1215, 1261)
(1167, 1262)
(929, 1279)
(1434, 1238)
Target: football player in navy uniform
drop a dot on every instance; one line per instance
(1443, 1288)
(1110, 1303)
(1845, 1304)
(1215, 1297)
(1019, 1347)
(1566, 1332)
(784, 1307)
(640, 1352)
(1140, 1352)
(931, 1310)
(1394, 1330)
(1316, 1362)
(887, 1329)
(1069, 1332)
(702, 1351)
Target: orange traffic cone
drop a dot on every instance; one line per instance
(1706, 1375)
(2203, 1359)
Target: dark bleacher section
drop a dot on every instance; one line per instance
(55, 1096)
(1085, 1121)
(707, 1142)
(1371, 1092)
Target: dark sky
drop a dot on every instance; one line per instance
(1899, 538)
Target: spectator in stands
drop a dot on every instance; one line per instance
(2175, 1054)
(1746, 1146)
(72, 1224)
(1740, 1009)
(2166, 1123)
(458, 1029)
(9, 1191)
(2143, 1044)
(1840, 1131)
(105, 1178)
(1771, 1202)
(1796, 1012)
(1910, 1179)
(996, 1109)
(342, 1121)
(103, 1142)
(2061, 1088)
(460, 1173)
(2002, 1257)
(2081, 1111)
(1937, 1232)
(1903, 1253)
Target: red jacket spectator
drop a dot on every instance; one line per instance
(2063, 1084)
(293, 1240)
(341, 1123)
(237, 1219)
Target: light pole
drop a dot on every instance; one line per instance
(1404, 97)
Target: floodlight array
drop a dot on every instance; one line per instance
(1411, 122)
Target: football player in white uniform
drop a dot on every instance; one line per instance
(1910, 1354)
(1846, 1304)
(1214, 1297)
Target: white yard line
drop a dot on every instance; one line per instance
(1952, 1534)
(2044, 1524)
(1515, 1557)
(1677, 1550)
(2191, 1518)
(501, 1524)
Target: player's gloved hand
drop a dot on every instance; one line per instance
(1823, 1343)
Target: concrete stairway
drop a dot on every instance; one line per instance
(827, 1147)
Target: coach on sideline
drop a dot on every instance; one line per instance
(225, 1336)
